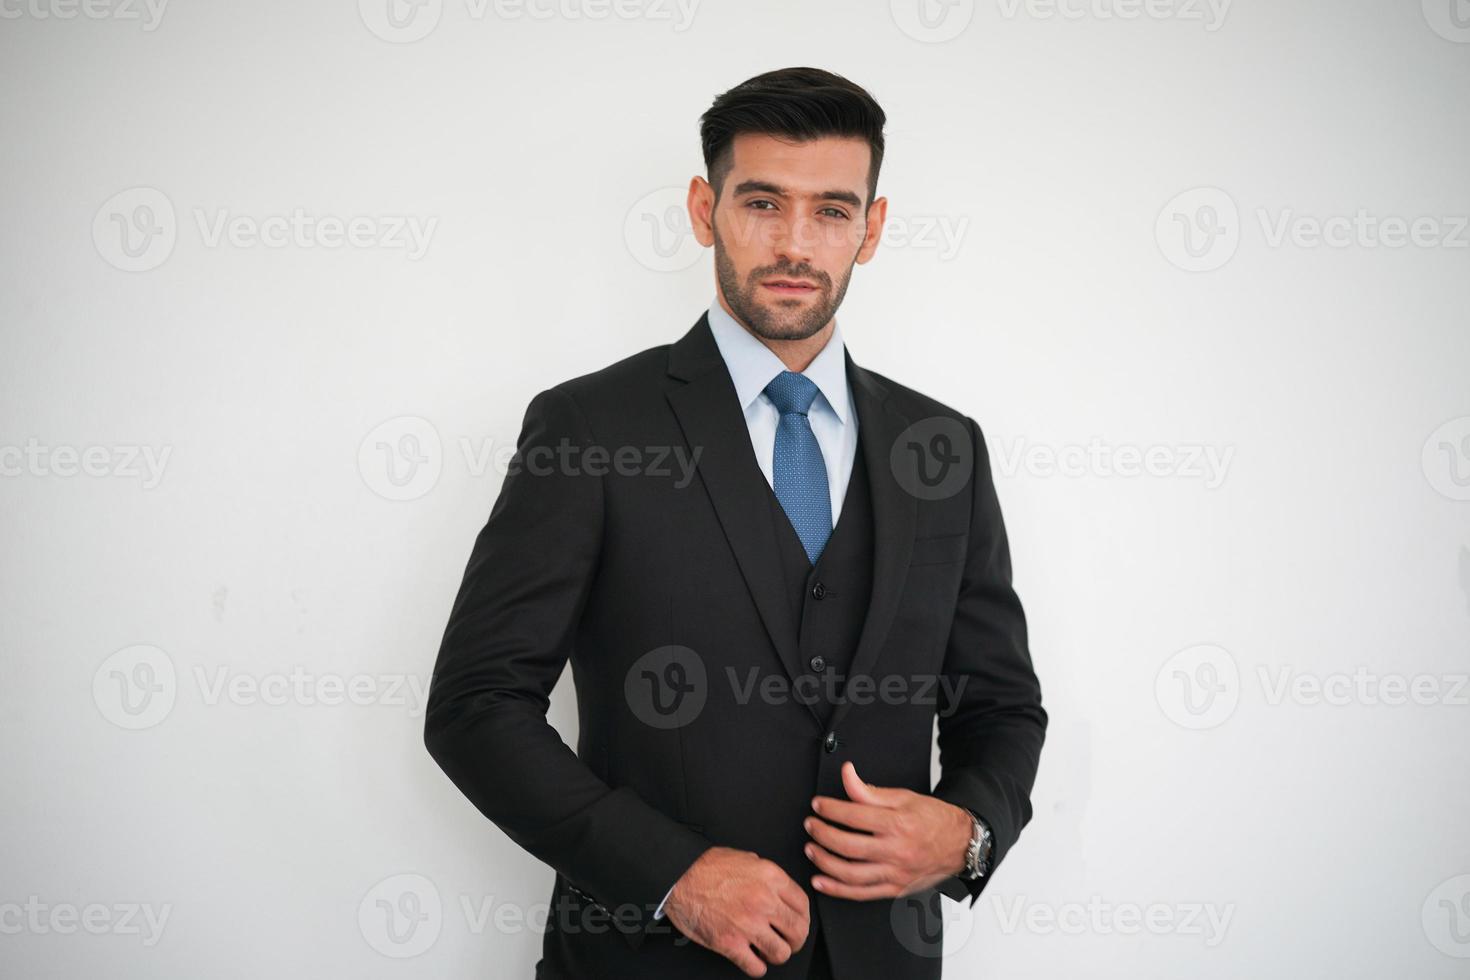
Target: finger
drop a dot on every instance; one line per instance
(858, 847)
(792, 925)
(848, 872)
(794, 897)
(773, 949)
(742, 956)
(856, 893)
(861, 792)
(859, 816)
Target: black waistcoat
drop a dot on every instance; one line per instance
(829, 600)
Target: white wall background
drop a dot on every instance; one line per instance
(1235, 782)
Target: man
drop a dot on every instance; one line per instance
(770, 570)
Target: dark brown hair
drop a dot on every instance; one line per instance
(798, 104)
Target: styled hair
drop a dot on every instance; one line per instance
(797, 104)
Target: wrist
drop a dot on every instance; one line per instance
(978, 848)
(964, 829)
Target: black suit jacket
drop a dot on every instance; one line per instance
(603, 550)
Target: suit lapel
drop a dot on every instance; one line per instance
(895, 513)
(709, 414)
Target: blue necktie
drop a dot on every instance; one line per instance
(800, 472)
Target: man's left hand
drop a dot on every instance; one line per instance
(883, 842)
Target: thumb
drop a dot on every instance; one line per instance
(859, 791)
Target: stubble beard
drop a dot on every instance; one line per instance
(783, 322)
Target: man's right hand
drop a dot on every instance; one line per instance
(730, 901)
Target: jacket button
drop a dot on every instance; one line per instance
(830, 742)
(819, 590)
(818, 664)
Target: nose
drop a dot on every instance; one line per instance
(796, 240)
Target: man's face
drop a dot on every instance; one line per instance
(790, 225)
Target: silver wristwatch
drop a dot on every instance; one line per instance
(977, 857)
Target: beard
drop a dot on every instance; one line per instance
(796, 322)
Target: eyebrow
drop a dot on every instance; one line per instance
(766, 187)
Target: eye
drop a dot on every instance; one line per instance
(759, 200)
(835, 212)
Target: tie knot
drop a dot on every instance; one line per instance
(792, 392)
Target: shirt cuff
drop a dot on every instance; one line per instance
(658, 913)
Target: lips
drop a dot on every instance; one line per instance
(790, 285)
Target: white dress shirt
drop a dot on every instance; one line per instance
(752, 365)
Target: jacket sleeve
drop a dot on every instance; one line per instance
(991, 731)
(509, 636)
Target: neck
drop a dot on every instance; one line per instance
(795, 354)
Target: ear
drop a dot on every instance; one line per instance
(701, 205)
(877, 215)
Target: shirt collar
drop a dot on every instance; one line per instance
(752, 364)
